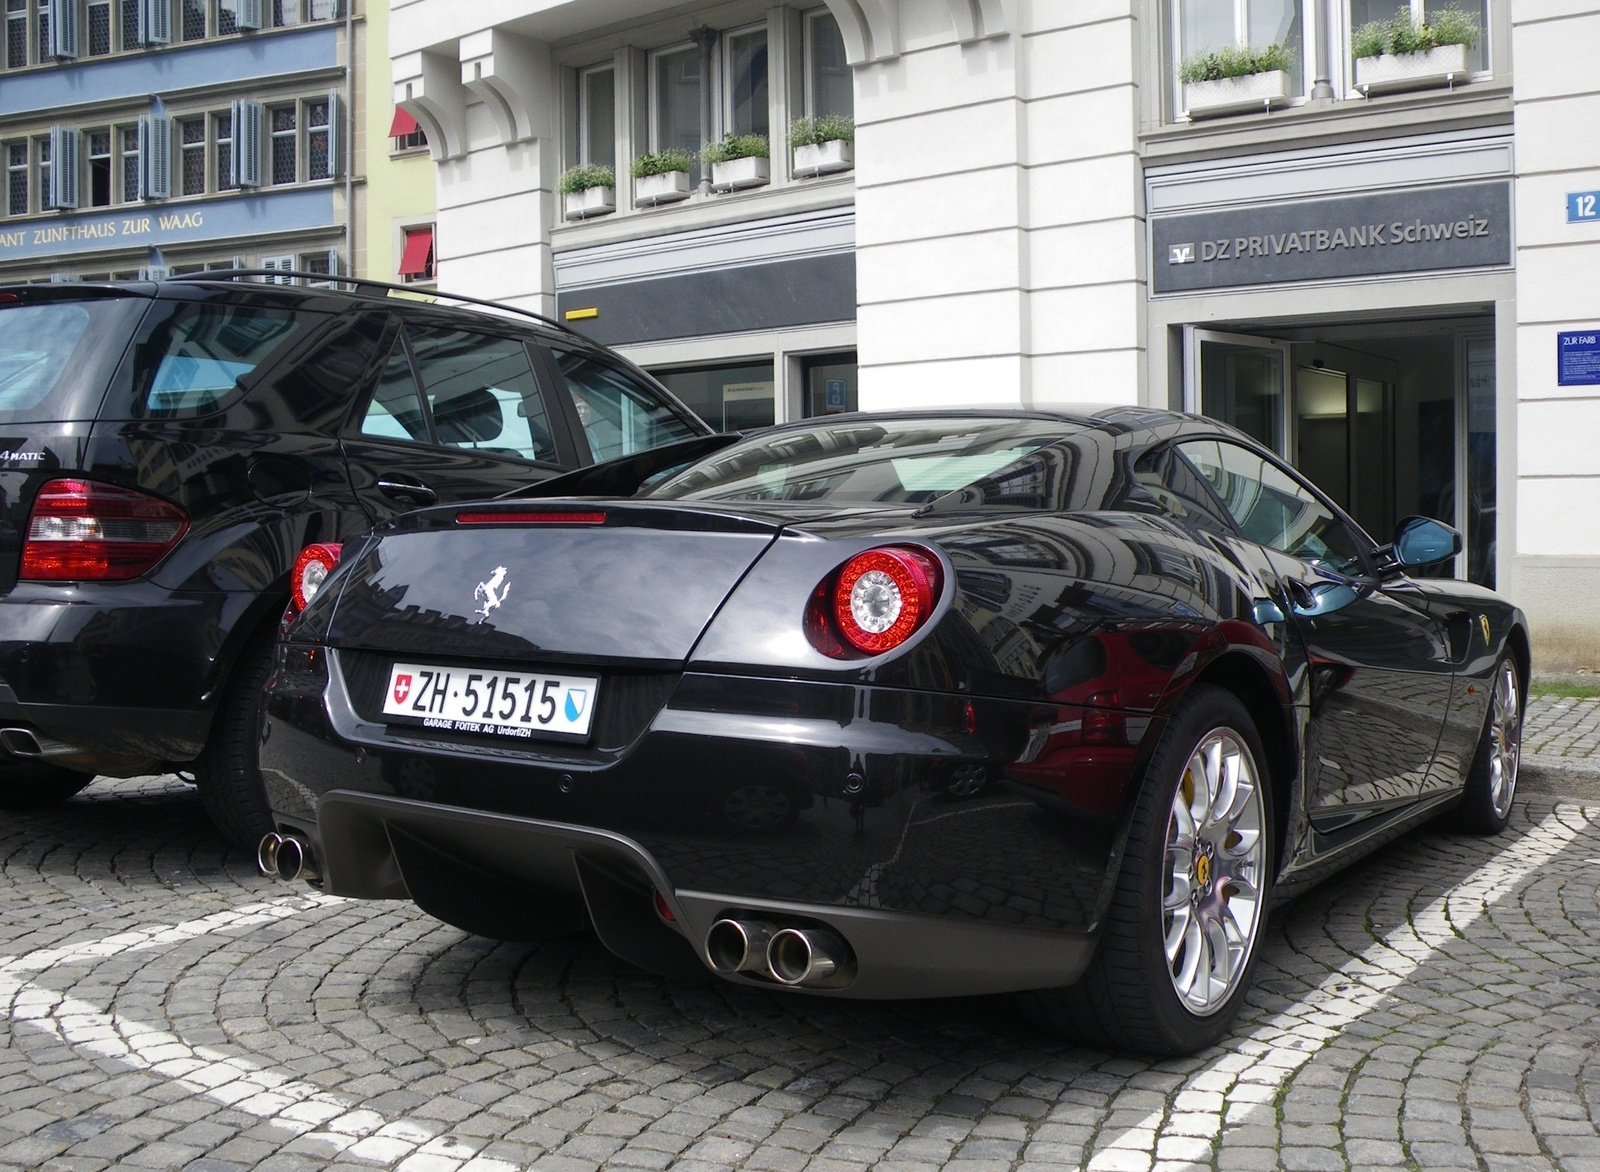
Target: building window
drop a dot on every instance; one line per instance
(597, 116)
(42, 33)
(16, 34)
(192, 149)
(1203, 26)
(284, 147)
(16, 179)
(41, 148)
(745, 82)
(318, 157)
(405, 132)
(285, 12)
(324, 9)
(730, 397)
(192, 24)
(416, 259)
(1366, 11)
(130, 24)
(100, 29)
(129, 136)
(222, 128)
(829, 86)
(99, 168)
(675, 102)
(227, 18)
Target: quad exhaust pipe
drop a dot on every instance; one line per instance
(803, 957)
(285, 856)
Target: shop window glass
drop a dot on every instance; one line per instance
(829, 88)
(1207, 25)
(730, 397)
(746, 55)
(597, 114)
(830, 382)
(1481, 491)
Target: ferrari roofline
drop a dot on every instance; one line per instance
(1152, 423)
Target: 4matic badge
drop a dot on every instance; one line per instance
(493, 592)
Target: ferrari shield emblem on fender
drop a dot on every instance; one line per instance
(492, 592)
(1483, 625)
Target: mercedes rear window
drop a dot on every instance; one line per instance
(56, 356)
(206, 351)
(910, 461)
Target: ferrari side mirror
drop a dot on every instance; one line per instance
(1422, 541)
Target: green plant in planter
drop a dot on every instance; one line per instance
(661, 163)
(825, 128)
(1406, 34)
(1233, 61)
(582, 178)
(736, 146)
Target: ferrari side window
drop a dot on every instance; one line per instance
(395, 410)
(1271, 508)
(1180, 490)
(619, 417)
(482, 393)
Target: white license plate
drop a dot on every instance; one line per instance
(505, 703)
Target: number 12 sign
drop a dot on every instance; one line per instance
(1583, 205)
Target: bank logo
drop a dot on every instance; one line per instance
(1180, 254)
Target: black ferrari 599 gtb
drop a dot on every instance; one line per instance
(899, 705)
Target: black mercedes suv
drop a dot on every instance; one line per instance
(168, 448)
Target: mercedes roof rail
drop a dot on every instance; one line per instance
(330, 280)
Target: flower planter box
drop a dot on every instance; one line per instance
(737, 173)
(653, 189)
(1409, 71)
(1236, 95)
(824, 158)
(592, 201)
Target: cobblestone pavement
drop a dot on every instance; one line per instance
(1565, 728)
(161, 1006)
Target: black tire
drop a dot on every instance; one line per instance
(228, 774)
(32, 785)
(1491, 787)
(1128, 997)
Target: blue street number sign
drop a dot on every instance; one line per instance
(1578, 359)
(1583, 205)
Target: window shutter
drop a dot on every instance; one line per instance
(280, 264)
(155, 156)
(335, 134)
(246, 13)
(63, 191)
(248, 117)
(63, 28)
(155, 22)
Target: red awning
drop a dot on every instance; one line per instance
(418, 254)
(402, 125)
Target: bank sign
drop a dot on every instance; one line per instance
(1413, 231)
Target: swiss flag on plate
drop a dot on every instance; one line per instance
(402, 688)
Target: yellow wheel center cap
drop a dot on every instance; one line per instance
(1202, 870)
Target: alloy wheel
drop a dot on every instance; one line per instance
(1505, 739)
(1216, 856)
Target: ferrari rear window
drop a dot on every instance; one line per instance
(895, 462)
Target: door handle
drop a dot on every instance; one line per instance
(389, 486)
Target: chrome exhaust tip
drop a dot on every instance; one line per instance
(21, 742)
(810, 958)
(267, 855)
(739, 946)
(286, 857)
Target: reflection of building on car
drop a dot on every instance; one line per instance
(172, 448)
(896, 706)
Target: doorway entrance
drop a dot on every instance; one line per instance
(1389, 419)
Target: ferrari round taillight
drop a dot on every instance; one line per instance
(882, 596)
(84, 531)
(311, 570)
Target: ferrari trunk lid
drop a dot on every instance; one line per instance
(565, 581)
